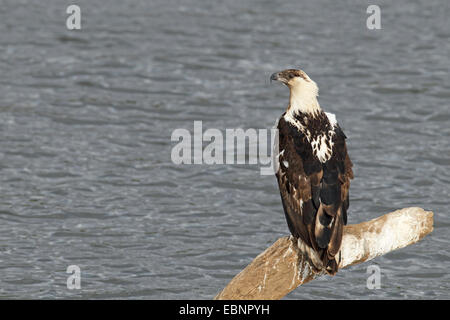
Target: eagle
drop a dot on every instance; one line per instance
(313, 172)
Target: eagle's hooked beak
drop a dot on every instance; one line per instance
(274, 77)
(278, 76)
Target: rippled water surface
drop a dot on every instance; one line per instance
(86, 119)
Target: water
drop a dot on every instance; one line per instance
(87, 116)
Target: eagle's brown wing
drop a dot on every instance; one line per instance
(314, 194)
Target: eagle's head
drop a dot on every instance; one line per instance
(304, 91)
(291, 77)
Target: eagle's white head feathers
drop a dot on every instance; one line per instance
(303, 91)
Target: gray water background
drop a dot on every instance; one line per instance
(86, 118)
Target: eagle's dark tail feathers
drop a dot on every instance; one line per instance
(329, 232)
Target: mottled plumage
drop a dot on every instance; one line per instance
(314, 171)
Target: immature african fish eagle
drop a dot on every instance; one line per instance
(313, 172)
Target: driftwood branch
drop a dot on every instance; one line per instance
(281, 268)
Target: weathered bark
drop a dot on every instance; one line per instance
(281, 268)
